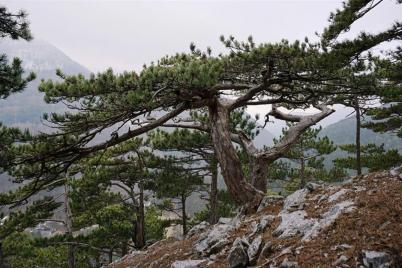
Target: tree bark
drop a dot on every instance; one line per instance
(213, 198)
(358, 145)
(183, 214)
(259, 174)
(241, 191)
(69, 227)
(140, 223)
(302, 173)
(3, 262)
(111, 255)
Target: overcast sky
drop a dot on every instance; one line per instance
(126, 34)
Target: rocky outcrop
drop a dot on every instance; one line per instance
(353, 224)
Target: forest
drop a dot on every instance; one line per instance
(132, 158)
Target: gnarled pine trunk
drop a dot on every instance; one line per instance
(240, 190)
(214, 193)
(259, 172)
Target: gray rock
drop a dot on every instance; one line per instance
(266, 250)
(337, 195)
(294, 223)
(288, 264)
(213, 240)
(265, 221)
(254, 249)
(225, 220)
(327, 219)
(376, 259)
(188, 264)
(340, 260)
(174, 231)
(237, 257)
(341, 247)
(267, 200)
(199, 228)
(296, 199)
(311, 186)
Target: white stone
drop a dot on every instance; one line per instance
(188, 264)
(337, 195)
(295, 199)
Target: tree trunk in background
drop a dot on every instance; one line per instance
(183, 214)
(358, 146)
(69, 227)
(213, 198)
(110, 255)
(124, 249)
(302, 173)
(3, 262)
(240, 190)
(140, 223)
(259, 173)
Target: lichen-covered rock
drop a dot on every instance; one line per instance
(254, 249)
(340, 260)
(237, 257)
(213, 240)
(174, 231)
(198, 229)
(311, 186)
(267, 200)
(225, 220)
(294, 223)
(337, 195)
(188, 264)
(376, 259)
(288, 264)
(296, 199)
(260, 227)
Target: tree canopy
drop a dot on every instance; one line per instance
(297, 74)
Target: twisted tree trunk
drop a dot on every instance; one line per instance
(240, 190)
(214, 193)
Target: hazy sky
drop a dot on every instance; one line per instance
(125, 34)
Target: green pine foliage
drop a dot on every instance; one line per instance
(306, 160)
(14, 26)
(373, 157)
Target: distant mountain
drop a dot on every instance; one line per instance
(26, 108)
(343, 132)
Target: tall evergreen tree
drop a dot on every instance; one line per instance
(284, 74)
(306, 156)
(388, 117)
(373, 157)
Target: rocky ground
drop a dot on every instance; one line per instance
(354, 224)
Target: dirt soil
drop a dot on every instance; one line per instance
(375, 225)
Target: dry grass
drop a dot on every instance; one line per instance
(374, 225)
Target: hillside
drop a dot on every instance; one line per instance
(343, 132)
(344, 225)
(26, 108)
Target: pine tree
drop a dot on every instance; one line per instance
(374, 157)
(284, 74)
(14, 26)
(18, 221)
(389, 116)
(306, 156)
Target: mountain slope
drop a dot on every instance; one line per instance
(343, 132)
(26, 108)
(353, 224)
